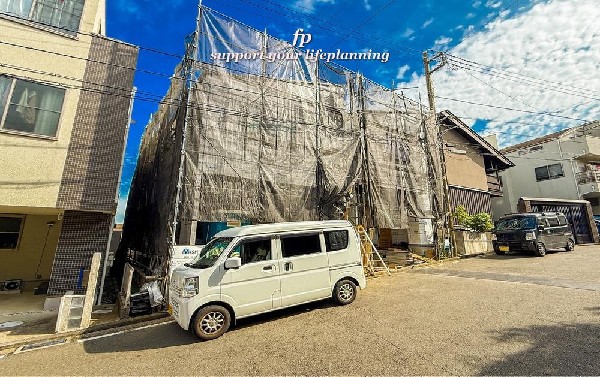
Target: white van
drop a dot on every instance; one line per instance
(259, 268)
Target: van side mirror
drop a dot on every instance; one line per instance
(233, 263)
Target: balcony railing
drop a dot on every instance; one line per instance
(590, 176)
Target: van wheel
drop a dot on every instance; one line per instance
(344, 292)
(570, 245)
(211, 322)
(541, 250)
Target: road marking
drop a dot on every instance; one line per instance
(510, 278)
(124, 331)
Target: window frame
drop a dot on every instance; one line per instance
(562, 220)
(327, 243)
(29, 21)
(550, 224)
(4, 114)
(21, 227)
(253, 239)
(302, 234)
(547, 170)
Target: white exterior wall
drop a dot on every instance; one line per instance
(519, 181)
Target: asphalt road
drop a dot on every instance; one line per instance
(510, 315)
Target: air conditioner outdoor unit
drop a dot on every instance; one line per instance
(10, 286)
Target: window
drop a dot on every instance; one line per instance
(336, 240)
(552, 221)
(63, 15)
(10, 231)
(253, 250)
(549, 172)
(29, 107)
(562, 220)
(293, 246)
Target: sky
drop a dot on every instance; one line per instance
(516, 68)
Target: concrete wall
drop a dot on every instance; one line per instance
(465, 170)
(42, 159)
(23, 262)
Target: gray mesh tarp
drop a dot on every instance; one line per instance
(280, 140)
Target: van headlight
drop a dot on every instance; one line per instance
(190, 287)
(529, 236)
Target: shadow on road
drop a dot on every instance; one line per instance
(171, 335)
(551, 350)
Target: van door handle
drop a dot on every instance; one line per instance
(268, 268)
(288, 266)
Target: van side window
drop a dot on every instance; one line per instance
(293, 246)
(553, 221)
(253, 250)
(562, 220)
(336, 240)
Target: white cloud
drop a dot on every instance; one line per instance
(552, 41)
(493, 4)
(308, 6)
(476, 4)
(427, 23)
(470, 15)
(402, 71)
(367, 5)
(441, 42)
(407, 33)
(121, 206)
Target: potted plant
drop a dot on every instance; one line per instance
(472, 235)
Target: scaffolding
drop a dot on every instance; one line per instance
(270, 140)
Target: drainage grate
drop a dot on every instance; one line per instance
(50, 343)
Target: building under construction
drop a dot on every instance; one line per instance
(269, 140)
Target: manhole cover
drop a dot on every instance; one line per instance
(8, 325)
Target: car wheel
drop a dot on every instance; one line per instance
(541, 250)
(211, 322)
(344, 292)
(570, 245)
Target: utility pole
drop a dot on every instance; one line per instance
(448, 226)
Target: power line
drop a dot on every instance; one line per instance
(511, 109)
(518, 76)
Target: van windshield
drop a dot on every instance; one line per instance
(516, 223)
(211, 252)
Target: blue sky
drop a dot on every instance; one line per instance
(552, 40)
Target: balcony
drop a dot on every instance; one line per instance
(494, 184)
(590, 176)
(589, 182)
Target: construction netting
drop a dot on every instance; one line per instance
(275, 136)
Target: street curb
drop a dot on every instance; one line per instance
(467, 256)
(100, 329)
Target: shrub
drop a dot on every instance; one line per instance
(480, 222)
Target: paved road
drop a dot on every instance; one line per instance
(510, 315)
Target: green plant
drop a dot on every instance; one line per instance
(480, 222)
(461, 215)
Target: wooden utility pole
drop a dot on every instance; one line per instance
(448, 226)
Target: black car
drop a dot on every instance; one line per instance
(536, 232)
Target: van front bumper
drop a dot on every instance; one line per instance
(178, 309)
(516, 245)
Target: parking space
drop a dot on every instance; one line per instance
(477, 316)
